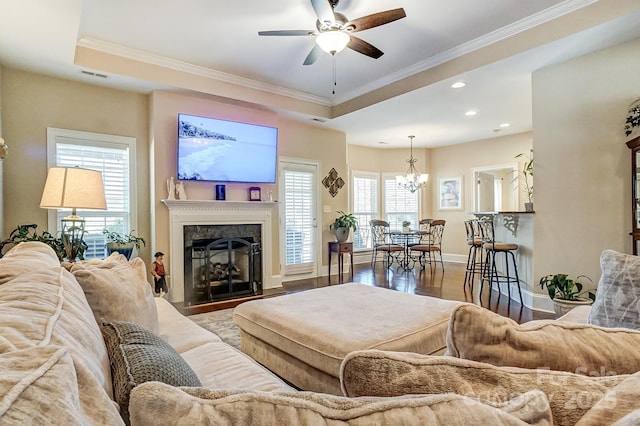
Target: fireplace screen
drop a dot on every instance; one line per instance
(222, 268)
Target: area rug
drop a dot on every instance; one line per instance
(220, 323)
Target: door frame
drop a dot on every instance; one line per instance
(282, 163)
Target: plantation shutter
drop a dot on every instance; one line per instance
(365, 208)
(299, 220)
(399, 204)
(113, 163)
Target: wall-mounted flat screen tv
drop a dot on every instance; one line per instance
(210, 149)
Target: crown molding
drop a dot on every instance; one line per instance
(164, 62)
(510, 30)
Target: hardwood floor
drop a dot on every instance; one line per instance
(447, 285)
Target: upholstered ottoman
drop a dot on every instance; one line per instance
(303, 337)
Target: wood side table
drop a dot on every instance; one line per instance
(341, 249)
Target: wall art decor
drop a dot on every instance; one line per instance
(333, 182)
(451, 193)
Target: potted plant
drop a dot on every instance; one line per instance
(122, 243)
(343, 225)
(566, 293)
(633, 120)
(405, 226)
(527, 178)
(28, 233)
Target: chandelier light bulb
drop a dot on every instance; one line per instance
(412, 180)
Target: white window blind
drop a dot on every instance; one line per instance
(365, 208)
(399, 204)
(112, 159)
(298, 218)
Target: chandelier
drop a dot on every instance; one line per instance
(412, 180)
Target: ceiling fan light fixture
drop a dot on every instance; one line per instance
(332, 41)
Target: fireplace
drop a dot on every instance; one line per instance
(191, 220)
(221, 262)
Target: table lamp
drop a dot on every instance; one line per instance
(73, 188)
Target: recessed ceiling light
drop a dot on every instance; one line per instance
(458, 85)
(505, 125)
(471, 113)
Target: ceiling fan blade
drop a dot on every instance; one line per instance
(286, 33)
(376, 19)
(313, 55)
(323, 10)
(363, 47)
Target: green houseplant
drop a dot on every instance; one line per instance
(527, 178)
(122, 243)
(25, 233)
(565, 292)
(343, 225)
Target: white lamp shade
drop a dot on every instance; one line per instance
(332, 41)
(74, 188)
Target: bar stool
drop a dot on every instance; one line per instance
(492, 249)
(475, 259)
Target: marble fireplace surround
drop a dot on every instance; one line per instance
(206, 212)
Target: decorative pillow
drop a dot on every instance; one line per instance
(39, 385)
(118, 291)
(381, 373)
(139, 356)
(196, 406)
(478, 334)
(617, 301)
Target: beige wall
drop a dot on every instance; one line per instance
(295, 140)
(33, 102)
(445, 162)
(582, 166)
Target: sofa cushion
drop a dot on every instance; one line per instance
(179, 331)
(118, 291)
(621, 403)
(38, 386)
(138, 356)
(191, 406)
(221, 366)
(478, 334)
(380, 373)
(48, 307)
(617, 301)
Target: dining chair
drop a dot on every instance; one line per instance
(381, 243)
(424, 227)
(431, 245)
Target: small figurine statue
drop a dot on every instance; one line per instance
(171, 189)
(182, 193)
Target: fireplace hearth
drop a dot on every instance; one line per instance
(221, 269)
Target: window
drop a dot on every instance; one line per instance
(113, 157)
(396, 206)
(365, 207)
(399, 204)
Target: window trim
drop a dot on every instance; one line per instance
(96, 139)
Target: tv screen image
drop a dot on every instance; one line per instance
(210, 149)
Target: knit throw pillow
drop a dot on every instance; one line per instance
(138, 356)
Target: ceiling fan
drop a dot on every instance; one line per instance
(334, 31)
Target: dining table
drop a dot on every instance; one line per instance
(406, 238)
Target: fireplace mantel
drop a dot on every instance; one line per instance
(209, 212)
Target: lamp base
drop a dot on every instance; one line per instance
(72, 234)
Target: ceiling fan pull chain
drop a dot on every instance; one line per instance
(333, 57)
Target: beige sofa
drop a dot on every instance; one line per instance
(57, 369)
